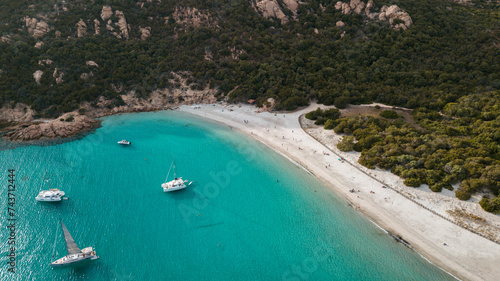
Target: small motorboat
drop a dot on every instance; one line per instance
(124, 142)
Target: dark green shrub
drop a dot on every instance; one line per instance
(490, 205)
(347, 144)
(320, 121)
(329, 124)
(389, 114)
(413, 182)
(462, 195)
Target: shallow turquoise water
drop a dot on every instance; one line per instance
(250, 215)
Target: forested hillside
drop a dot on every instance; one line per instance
(440, 58)
(317, 52)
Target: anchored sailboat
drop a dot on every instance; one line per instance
(176, 183)
(74, 255)
(51, 195)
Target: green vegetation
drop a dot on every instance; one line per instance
(346, 144)
(445, 67)
(390, 114)
(446, 54)
(491, 205)
(321, 116)
(460, 144)
(462, 195)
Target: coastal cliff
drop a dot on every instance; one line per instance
(67, 125)
(23, 126)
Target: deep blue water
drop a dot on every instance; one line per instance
(249, 215)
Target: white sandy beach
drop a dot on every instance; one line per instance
(466, 255)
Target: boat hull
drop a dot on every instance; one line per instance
(51, 195)
(48, 199)
(169, 189)
(173, 185)
(79, 260)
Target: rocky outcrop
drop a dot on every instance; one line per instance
(97, 26)
(37, 75)
(45, 62)
(6, 39)
(291, 5)
(91, 63)
(396, 17)
(340, 24)
(38, 45)
(188, 16)
(81, 29)
(58, 76)
(158, 100)
(57, 128)
(464, 2)
(109, 26)
(270, 9)
(86, 76)
(35, 27)
(275, 9)
(145, 32)
(106, 13)
(71, 124)
(235, 53)
(122, 24)
(355, 6)
(18, 113)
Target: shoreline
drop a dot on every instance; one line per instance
(403, 212)
(465, 255)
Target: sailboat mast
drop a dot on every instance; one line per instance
(171, 165)
(175, 175)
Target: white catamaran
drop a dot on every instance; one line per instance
(176, 183)
(51, 195)
(74, 255)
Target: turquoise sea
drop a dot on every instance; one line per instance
(249, 215)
